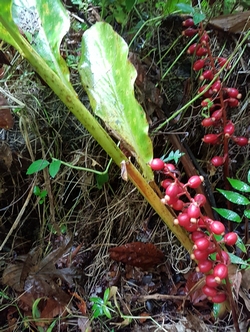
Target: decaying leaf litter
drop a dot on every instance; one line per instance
(98, 219)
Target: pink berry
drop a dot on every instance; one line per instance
(204, 38)
(193, 211)
(178, 205)
(173, 190)
(192, 49)
(229, 129)
(192, 227)
(220, 272)
(207, 102)
(199, 64)
(202, 244)
(200, 199)
(217, 115)
(217, 228)
(201, 51)
(197, 235)
(233, 102)
(207, 75)
(216, 86)
(209, 291)
(199, 255)
(156, 164)
(223, 61)
(219, 298)
(165, 183)
(233, 93)
(211, 138)
(240, 140)
(195, 181)
(183, 219)
(189, 32)
(206, 94)
(188, 22)
(211, 281)
(217, 161)
(230, 238)
(207, 122)
(205, 266)
(169, 168)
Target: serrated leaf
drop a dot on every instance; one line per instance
(47, 22)
(54, 167)
(37, 166)
(234, 197)
(185, 8)
(236, 260)
(6, 17)
(228, 214)
(239, 185)
(108, 78)
(247, 213)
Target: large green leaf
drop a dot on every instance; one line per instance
(44, 23)
(108, 77)
(239, 185)
(234, 197)
(228, 214)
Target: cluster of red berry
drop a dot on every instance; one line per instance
(217, 97)
(202, 228)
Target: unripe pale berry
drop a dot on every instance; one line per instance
(209, 291)
(217, 228)
(230, 238)
(220, 271)
(156, 164)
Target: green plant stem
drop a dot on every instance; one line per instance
(69, 97)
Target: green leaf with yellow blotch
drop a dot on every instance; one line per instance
(108, 78)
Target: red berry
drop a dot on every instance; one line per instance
(197, 235)
(200, 199)
(216, 86)
(178, 205)
(211, 138)
(183, 219)
(173, 190)
(211, 281)
(217, 115)
(188, 22)
(217, 161)
(199, 64)
(189, 32)
(233, 102)
(165, 183)
(207, 122)
(207, 102)
(207, 75)
(191, 227)
(202, 244)
(193, 48)
(156, 164)
(233, 93)
(224, 259)
(199, 255)
(209, 291)
(205, 266)
(204, 38)
(230, 238)
(219, 298)
(220, 272)
(169, 168)
(195, 181)
(212, 248)
(240, 140)
(193, 211)
(223, 61)
(217, 228)
(201, 51)
(206, 94)
(229, 129)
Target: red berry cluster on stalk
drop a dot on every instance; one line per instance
(201, 228)
(217, 98)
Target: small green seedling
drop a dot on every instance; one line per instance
(102, 307)
(40, 193)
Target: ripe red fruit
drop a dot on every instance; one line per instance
(233, 93)
(165, 183)
(193, 211)
(217, 228)
(216, 86)
(202, 244)
(173, 190)
(229, 129)
(183, 219)
(230, 238)
(204, 266)
(197, 235)
(224, 259)
(204, 38)
(207, 102)
(207, 75)
(217, 161)
(240, 140)
(220, 272)
(169, 168)
(209, 291)
(199, 64)
(191, 227)
(207, 122)
(212, 248)
(199, 255)
(217, 115)
(194, 181)
(211, 281)
(188, 22)
(178, 205)
(189, 32)
(219, 298)
(192, 49)
(206, 94)
(156, 164)
(233, 102)
(223, 61)
(200, 199)
(211, 138)
(201, 51)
